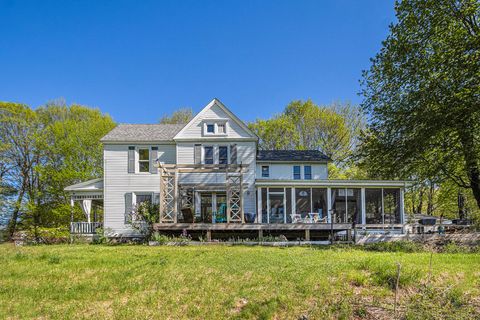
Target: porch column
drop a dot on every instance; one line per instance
(294, 202)
(329, 205)
(402, 206)
(72, 204)
(259, 205)
(364, 205)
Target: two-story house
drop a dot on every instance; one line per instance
(209, 176)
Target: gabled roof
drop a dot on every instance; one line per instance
(142, 132)
(291, 156)
(212, 103)
(90, 185)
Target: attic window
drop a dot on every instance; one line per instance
(210, 128)
(221, 128)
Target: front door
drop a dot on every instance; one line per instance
(213, 207)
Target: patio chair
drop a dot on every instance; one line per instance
(296, 218)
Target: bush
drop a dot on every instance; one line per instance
(47, 235)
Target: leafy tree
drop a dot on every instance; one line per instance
(277, 133)
(42, 152)
(182, 115)
(303, 125)
(423, 96)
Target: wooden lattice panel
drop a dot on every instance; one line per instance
(234, 198)
(168, 210)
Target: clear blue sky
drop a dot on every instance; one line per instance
(138, 60)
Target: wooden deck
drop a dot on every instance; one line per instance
(269, 226)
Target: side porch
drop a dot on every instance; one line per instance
(89, 196)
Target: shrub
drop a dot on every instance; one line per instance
(47, 235)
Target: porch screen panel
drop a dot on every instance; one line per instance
(354, 206)
(339, 205)
(319, 198)
(373, 206)
(391, 205)
(264, 205)
(288, 200)
(277, 208)
(303, 201)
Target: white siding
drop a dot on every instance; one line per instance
(118, 182)
(284, 171)
(195, 130)
(246, 152)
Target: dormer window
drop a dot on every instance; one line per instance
(215, 127)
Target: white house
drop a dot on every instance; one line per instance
(209, 176)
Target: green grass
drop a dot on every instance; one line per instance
(236, 282)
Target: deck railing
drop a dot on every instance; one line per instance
(84, 227)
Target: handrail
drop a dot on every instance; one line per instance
(82, 227)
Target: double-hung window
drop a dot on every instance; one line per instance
(142, 198)
(208, 155)
(265, 171)
(223, 155)
(143, 160)
(307, 172)
(296, 173)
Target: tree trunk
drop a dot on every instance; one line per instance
(472, 167)
(12, 224)
(461, 206)
(420, 201)
(431, 191)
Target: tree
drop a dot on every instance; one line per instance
(423, 97)
(42, 152)
(19, 136)
(303, 125)
(181, 116)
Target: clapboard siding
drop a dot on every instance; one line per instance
(284, 171)
(194, 130)
(118, 182)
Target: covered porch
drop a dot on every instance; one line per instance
(89, 196)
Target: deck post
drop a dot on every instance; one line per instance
(260, 234)
(349, 235)
(329, 205)
(209, 235)
(364, 206)
(307, 234)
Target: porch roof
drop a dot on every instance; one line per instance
(94, 185)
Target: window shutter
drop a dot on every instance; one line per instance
(197, 153)
(128, 207)
(153, 159)
(233, 154)
(131, 159)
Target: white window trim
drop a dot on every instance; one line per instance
(216, 153)
(261, 171)
(137, 159)
(215, 123)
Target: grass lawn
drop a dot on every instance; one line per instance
(237, 282)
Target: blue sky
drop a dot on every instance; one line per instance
(139, 60)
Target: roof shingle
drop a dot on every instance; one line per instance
(291, 155)
(142, 132)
